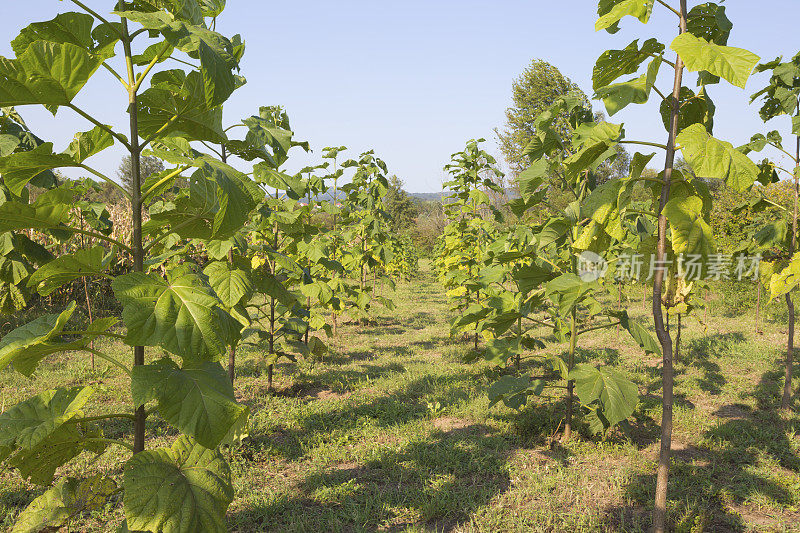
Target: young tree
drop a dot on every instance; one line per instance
(537, 88)
(781, 97)
(148, 165)
(401, 208)
(682, 201)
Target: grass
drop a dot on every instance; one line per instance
(392, 432)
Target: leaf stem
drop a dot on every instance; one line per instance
(111, 441)
(106, 179)
(97, 16)
(645, 143)
(99, 124)
(116, 75)
(663, 3)
(108, 358)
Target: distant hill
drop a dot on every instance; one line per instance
(428, 196)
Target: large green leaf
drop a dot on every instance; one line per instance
(786, 279)
(615, 63)
(196, 399)
(62, 270)
(218, 204)
(691, 234)
(46, 73)
(170, 109)
(29, 423)
(89, 143)
(178, 313)
(232, 284)
(712, 158)
(611, 11)
(638, 332)
(730, 63)
(614, 396)
(182, 489)
(216, 53)
(61, 503)
(636, 91)
(25, 346)
(39, 463)
(567, 291)
(19, 168)
(48, 211)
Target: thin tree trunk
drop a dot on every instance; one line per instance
(677, 340)
(786, 400)
(232, 348)
(619, 303)
(86, 294)
(136, 208)
(662, 475)
(573, 340)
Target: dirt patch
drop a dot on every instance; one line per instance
(446, 423)
(733, 411)
(324, 394)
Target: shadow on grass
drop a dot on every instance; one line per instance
(439, 481)
(715, 485)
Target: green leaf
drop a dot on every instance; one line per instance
(514, 391)
(615, 396)
(67, 499)
(25, 346)
(532, 178)
(694, 109)
(19, 168)
(46, 73)
(178, 313)
(182, 489)
(196, 399)
(87, 144)
(64, 269)
(638, 332)
(615, 63)
(48, 211)
(232, 284)
(712, 158)
(710, 22)
(567, 291)
(691, 234)
(637, 91)
(785, 280)
(180, 110)
(29, 423)
(732, 64)
(39, 464)
(612, 11)
(219, 202)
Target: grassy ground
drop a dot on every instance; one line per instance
(391, 432)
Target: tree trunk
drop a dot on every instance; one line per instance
(573, 340)
(136, 215)
(786, 400)
(660, 508)
(677, 340)
(232, 347)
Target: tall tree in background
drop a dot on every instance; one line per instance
(539, 86)
(401, 208)
(148, 165)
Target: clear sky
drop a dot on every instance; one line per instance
(416, 79)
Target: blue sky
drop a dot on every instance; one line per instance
(416, 79)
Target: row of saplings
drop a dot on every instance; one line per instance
(515, 280)
(211, 258)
